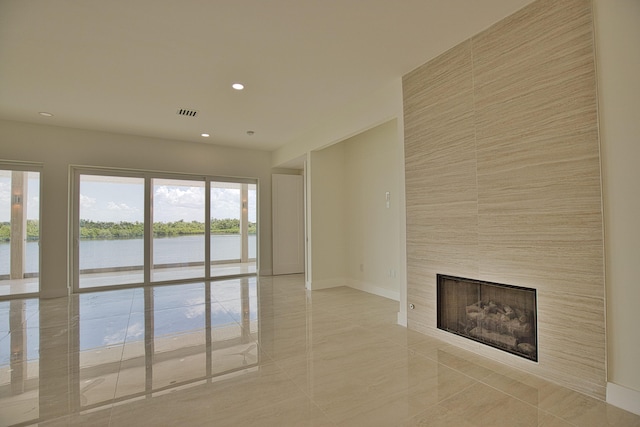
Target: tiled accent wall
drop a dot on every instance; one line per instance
(503, 181)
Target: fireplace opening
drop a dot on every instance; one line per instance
(502, 316)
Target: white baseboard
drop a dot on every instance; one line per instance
(325, 284)
(265, 272)
(372, 289)
(623, 397)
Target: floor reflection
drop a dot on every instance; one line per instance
(257, 351)
(122, 345)
(19, 363)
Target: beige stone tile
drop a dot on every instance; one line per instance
(400, 335)
(429, 385)
(20, 407)
(316, 370)
(582, 410)
(508, 149)
(430, 347)
(458, 360)
(201, 402)
(131, 380)
(551, 421)
(97, 418)
(329, 368)
(96, 386)
(436, 80)
(483, 405)
(513, 246)
(350, 394)
(437, 416)
(298, 411)
(394, 388)
(515, 386)
(299, 334)
(368, 317)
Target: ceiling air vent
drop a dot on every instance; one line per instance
(187, 112)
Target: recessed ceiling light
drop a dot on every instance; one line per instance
(206, 135)
(45, 114)
(237, 86)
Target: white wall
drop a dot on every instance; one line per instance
(345, 122)
(328, 239)
(355, 238)
(372, 228)
(57, 148)
(617, 39)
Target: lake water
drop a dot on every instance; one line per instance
(129, 252)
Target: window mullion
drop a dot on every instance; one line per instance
(148, 229)
(207, 228)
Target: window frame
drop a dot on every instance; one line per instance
(77, 171)
(22, 166)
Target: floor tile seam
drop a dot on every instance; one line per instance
(262, 353)
(347, 320)
(124, 343)
(231, 316)
(537, 408)
(35, 312)
(463, 389)
(435, 405)
(304, 392)
(425, 355)
(40, 420)
(392, 341)
(547, 412)
(288, 399)
(405, 391)
(465, 374)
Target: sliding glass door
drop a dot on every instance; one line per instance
(139, 228)
(233, 228)
(178, 229)
(19, 230)
(111, 230)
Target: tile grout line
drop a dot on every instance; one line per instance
(124, 343)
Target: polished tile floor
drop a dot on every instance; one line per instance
(94, 280)
(257, 352)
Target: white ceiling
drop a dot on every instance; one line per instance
(127, 66)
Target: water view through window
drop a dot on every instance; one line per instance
(233, 227)
(178, 229)
(111, 244)
(111, 239)
(19, 231)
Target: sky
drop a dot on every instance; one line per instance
(33, 196)
(122, 199)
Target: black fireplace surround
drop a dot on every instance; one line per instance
(501, 316)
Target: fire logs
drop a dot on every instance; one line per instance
(500, 324)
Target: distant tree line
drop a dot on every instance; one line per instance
(33, 230)
(100, 230)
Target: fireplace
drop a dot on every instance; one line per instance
(502, 316)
